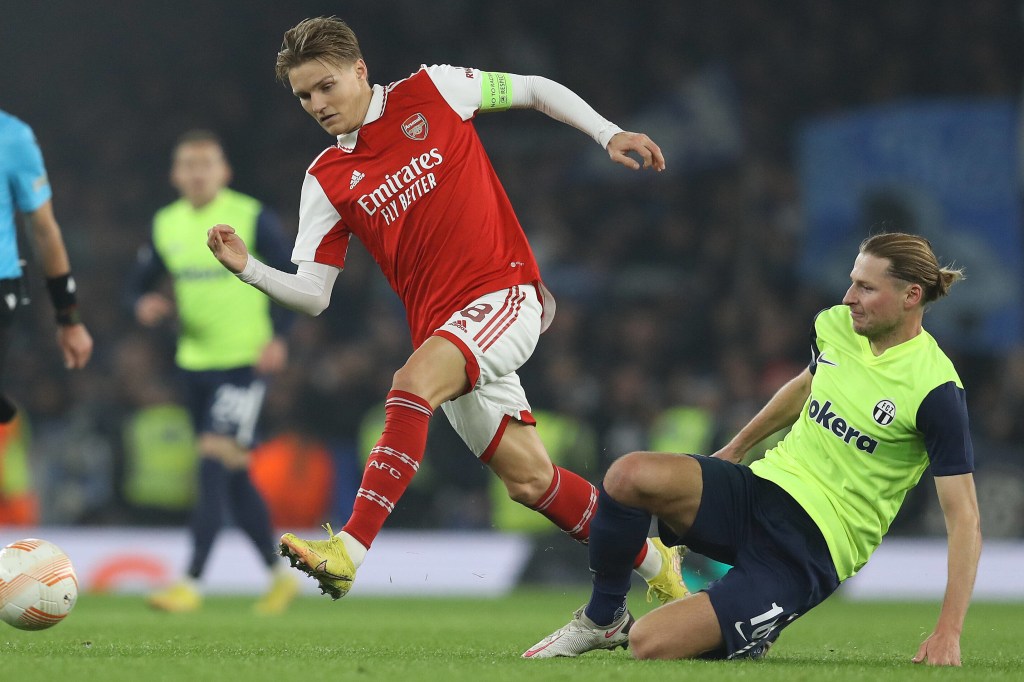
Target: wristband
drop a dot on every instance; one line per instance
(68, 317)
(62, 293)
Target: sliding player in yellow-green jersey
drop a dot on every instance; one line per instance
(879, 403)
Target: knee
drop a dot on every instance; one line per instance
(646, 642)
(407, 379)
(527, 486)
(685, 628)
(640, 644)
(430, 385)
(624, 479)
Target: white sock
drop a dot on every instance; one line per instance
(651, 565)
(355, 549)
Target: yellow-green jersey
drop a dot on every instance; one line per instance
(224, 323)
(869, 429)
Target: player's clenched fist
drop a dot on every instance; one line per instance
(228, 247)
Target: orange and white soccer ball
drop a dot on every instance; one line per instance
(38, 587)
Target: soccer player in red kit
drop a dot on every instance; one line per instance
(411, 180)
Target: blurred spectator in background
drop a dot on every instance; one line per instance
(228, 341)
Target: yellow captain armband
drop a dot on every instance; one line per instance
(495, 91)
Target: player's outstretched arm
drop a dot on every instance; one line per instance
(307, 291)
(781, 411)
(562, 104)
(959, 503)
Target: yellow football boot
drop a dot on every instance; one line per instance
(668, 585)
(181, 597)
(283, 590)
(325, 560)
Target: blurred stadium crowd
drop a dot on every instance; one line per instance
(681, 307)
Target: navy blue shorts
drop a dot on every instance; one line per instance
(226, 402)
(781, 565)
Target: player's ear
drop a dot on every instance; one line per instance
(362, 73)
(914, 294)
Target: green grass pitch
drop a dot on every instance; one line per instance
(449, 640)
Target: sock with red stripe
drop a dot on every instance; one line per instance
(392, 464)
(569, 503)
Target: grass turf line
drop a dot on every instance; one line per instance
(113, 638)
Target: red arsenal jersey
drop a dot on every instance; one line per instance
(415, 186)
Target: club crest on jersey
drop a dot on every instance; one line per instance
(884, 412)
(415, 127)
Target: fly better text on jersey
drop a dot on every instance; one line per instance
(403, 187)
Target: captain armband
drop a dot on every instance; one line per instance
(495, 91)
(62, 293)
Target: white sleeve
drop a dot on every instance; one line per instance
(561, 104)
(317, 217)
(468, 91)
(307, 291)
(460, 87)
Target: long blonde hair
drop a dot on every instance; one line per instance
(911, 259)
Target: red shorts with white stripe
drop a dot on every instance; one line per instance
(497, 334)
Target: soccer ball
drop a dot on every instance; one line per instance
(38, 587)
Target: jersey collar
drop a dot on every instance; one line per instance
(897, 351)
(347, 142)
